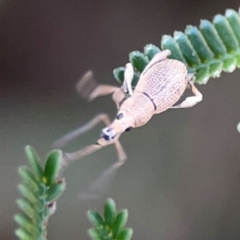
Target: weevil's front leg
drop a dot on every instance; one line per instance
(98, 186)
(128, 77)
(190, 101)
(71, 157)
(63, 141)
(88, 88)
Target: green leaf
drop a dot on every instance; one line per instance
(119, 74)
(187, 49)
(25, 222)
(234, 21)
(93, 234)
(26, 207)
(34, 161)
(225, 32)
(168, 42)
(109, 212)
(120, 222)
(125, 234)
(238, 60)
(199, 44)
(28, 178)
(23, 234)
(150, 51)
(27, 193)
(52, 167)
(138, 60)
(229, 64)
(212, 38)
(39, 190)
(95, 218)
(216, 68)
(202, 75)
(200, 48)
(55, 190)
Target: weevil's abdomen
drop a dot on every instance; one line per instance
(164, 83)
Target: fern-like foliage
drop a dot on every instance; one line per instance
(111, 225)
(40, 188)
(207, 51)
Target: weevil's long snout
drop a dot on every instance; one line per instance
(123, 122)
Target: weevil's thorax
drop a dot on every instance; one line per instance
(164, 83)
(138, 108)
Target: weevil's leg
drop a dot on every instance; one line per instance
(101, 183)
(88, 88)
(71, 157)
(98, 186)
(60, 143)
(118, 97)
(128, 77)
(157, 58)
(190, 101)
(77, 155)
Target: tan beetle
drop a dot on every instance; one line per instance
(160, 86)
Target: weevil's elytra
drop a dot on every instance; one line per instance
(164, 83)
(160, 86)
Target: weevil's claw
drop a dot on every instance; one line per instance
(86, 85)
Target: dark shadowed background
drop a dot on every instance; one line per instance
(182, 177)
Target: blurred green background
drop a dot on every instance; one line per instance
(182, 177)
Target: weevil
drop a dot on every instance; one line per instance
(160, 86)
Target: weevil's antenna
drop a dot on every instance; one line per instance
(63, 141)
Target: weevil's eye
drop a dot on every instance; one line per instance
(119, 116)
(128, 129)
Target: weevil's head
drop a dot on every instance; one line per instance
(123, 123)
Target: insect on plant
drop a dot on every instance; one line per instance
(160, 86)
(155, 80)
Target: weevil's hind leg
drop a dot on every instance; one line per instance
(128, 77)
(190, 101)
(63, 141)
(88, 88)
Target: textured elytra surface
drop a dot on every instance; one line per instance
(164, 83)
